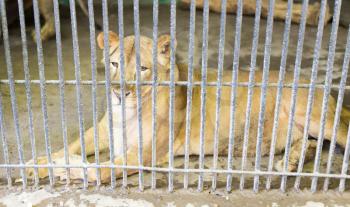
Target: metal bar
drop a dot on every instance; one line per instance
(12, 90)
(345, 165)
(108, 87)
(266, 69)
(203, 90)
(94, 87)
(297, 67)
(172, 91)
(177, 83)
(328, 81)
(43, 88)
(154, 91)
(61, 86)
(219, 89)
(28, 89)
(181, 170)
(281, 76)
(339, 102)
(233, 91)
(77, 86)
(312, 87)
(189, 88)
(138, 90)
(5, 144)
(251, 84)
(341, 96)
(122, 88)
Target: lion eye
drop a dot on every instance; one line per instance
(143, 68)
(115, 64)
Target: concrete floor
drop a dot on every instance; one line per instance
(182, 29)
(159, 198)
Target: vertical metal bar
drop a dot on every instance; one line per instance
(108, 88)
(297, 67)
(189, 88)
(61, 86)
(12, 90)
(122, 88)
(154, 91)
(78, 90)
(338, 108)
(345, 165)
(266, 69)
(43, 88)
(203, 91)
(28, 89)
(5, 145)
(219, 89)
(233, 90)
(327, 89)
(341, 95)
(317, 50)
(250, 87)
(94, 87)
(172, 91)
(138, 89)
(280, 89)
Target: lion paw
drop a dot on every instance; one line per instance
(42, 172)
(46, 32)
(279, 166)
(61, 173)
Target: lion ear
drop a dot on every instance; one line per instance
(113, 39)
(164, 49)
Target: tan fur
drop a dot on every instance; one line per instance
(162, 116)
(280, 11)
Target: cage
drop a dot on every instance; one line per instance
(243, 102)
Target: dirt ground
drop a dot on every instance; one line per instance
(158, 198)
(146, 29)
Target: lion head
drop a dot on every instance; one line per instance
(146, 60)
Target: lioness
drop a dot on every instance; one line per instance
(280, 9)
(46, 9)
(162, 130)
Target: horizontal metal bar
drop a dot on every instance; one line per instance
(167, 83)
(179, 170)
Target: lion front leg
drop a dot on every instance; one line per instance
(132, 160)
(105, 172)
(74, 151)
(48, 29)
(295, 154)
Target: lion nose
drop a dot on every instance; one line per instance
(127, 93)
